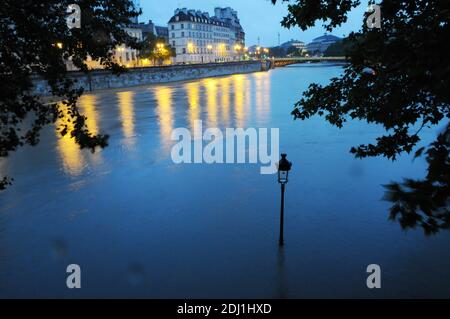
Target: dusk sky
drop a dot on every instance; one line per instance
(258, 17)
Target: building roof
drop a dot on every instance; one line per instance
(185, 15)
(326, 38)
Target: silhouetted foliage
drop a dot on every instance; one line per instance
(36, 41)
(399, 77)
(339, 48)
(278, 52)
(294, 51)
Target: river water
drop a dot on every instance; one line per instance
(141, 226)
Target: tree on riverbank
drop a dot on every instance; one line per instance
(155, 49)
(35, 39)
(339, 48)
(398, 76)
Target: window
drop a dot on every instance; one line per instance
(127, 56)
(173, 35)
(173, 27)
(184, 50)
(173, 43)
(182, 34)
(182, 26)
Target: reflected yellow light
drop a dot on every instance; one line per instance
(69, 151)
(193, 92)
(59, 45)
(262, 80)
(225, 99)
(209, 47)
(127, 115)
(211, 96)
(164, 100)
(73, 158)
(239, 89)
(87, 105)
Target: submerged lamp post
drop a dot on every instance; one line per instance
(284, 166)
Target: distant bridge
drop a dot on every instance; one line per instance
(280, 62)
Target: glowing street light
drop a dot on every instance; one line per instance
(190, 47)
(284, 166)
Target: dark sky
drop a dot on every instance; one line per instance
(258, 17)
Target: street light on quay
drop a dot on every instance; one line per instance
(284, 166)
(190, 47)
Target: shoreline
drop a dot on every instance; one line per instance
(103, 79)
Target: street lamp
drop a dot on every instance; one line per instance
(284, 166)
(190, 47)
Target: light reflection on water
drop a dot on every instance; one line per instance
(73, 160)
(126, 105)
(209, 230)
(165, 114)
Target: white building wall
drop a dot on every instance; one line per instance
(125, 55)
(202, 41)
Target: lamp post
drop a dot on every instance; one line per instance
(210, 52)
(284, 166)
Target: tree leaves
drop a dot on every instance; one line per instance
(36, 41)
(406, 89)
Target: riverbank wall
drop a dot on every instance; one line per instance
(103, 79)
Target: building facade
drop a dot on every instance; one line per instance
(199, 38)
(230, 16)
(127, 56)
